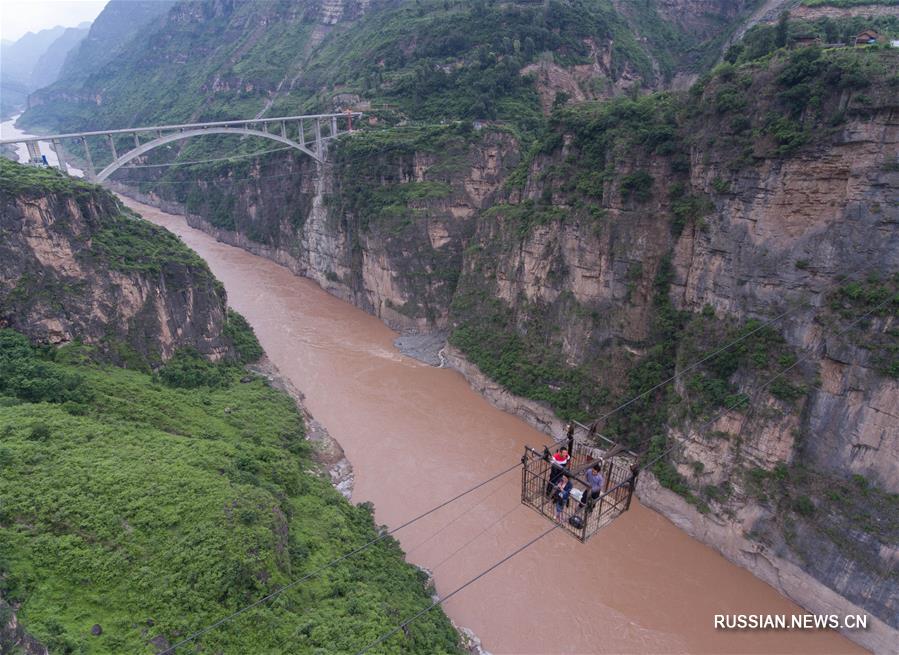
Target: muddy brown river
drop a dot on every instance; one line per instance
(417, 435)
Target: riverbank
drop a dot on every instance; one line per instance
(326, 450)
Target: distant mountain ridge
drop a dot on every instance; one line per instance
(430, 59)
(19, 57)
(34, 61)
(48, 66)
(118, 23)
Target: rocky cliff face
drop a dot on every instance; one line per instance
(75, 264)
(384, 231)
(638, 236)
(814, 12)
(13, 638)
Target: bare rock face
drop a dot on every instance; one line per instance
(13, 638)
(855, 414)
(810, 13)
(782, 236)
(75, 265)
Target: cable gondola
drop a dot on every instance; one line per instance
(583, 508)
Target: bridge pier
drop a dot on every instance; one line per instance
(318, 138)
(59, 156)
(90, 161)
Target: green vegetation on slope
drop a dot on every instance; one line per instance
(790, 100)
(431, 59)
(37, 181)
(465, 58)
(524, 364)
(881, 299)
(763, 39)
(154, 510)
(371, 194)
(121, 239)
(129, 243)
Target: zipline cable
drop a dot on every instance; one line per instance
(475, 538)
(443, 599)
(648, 464)
(464, 512)
(204, 161)
(277, 592)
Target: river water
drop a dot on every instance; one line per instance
(417, 435)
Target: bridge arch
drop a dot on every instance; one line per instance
(178, 136)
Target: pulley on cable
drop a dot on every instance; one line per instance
(581, 485)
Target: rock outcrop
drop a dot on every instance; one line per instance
(13, 637)
(76, 265)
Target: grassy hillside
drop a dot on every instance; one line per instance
(154, 505)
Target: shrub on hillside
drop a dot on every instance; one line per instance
(243, 337)
(24, 374)
(188, 369)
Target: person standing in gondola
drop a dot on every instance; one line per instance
(559, 462)
(561, 494)
(595, 480)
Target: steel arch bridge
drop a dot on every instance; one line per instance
(308, 134)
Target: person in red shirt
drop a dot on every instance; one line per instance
(559, 463)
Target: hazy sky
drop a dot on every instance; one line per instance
(20, 16)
